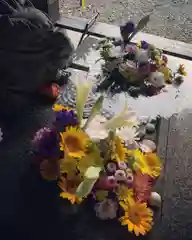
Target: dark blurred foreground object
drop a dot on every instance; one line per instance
(51, 7)
(31, 53)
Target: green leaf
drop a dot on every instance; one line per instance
(94, 111)
(142, 23)
(85, 187)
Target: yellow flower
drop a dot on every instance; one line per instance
(140, 162)
(148, 164)
(74, 142)
(124, 193)
(101, 195)
(138, 218)
(71, 197)
(166, 72)
(154, 163)
(119, 151)
(60, 107)
(182, 70)
(139, 44)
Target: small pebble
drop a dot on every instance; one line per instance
(147, 146)
(150, 128)
(155, 200)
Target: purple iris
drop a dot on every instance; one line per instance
(144, 45)
(66, 118)
(129, 27)
(46, 143)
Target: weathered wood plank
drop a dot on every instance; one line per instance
(171, 47)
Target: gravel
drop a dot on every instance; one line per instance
(169, 18)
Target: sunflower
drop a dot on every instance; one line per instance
(153, 161)
(74, 142)
(119, 151)
(138, 218)
(71, 197)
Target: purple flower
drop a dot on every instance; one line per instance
(66, 118)
(45, 144)
(144, 45)
(129, 27)
(144, 68)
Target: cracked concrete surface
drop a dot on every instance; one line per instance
(169, 18)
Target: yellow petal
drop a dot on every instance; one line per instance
(130, 227)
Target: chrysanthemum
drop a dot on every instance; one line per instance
(45, 144)
(106, 209)
(119, 151)
(74, 142)
(154, 164)
(138, 218)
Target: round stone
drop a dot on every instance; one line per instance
(147, 146)
(155, 200)
(144, 119)
(150, 128)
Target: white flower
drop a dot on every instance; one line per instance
(128, 134)
(127, 117)
(96, 129)
(157, 79)
(83, 87)
(106, 209)
(1, 135)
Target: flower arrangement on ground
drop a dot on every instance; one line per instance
(91, 159)
(136, 68)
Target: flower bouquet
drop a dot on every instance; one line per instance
(100, 161)
(137, 68)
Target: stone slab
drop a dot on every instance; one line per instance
(172, 47)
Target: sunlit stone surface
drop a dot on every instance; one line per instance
(167, 103)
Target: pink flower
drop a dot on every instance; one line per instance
(106, 209)
(107, 183)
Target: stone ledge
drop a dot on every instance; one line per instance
(170, 47)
